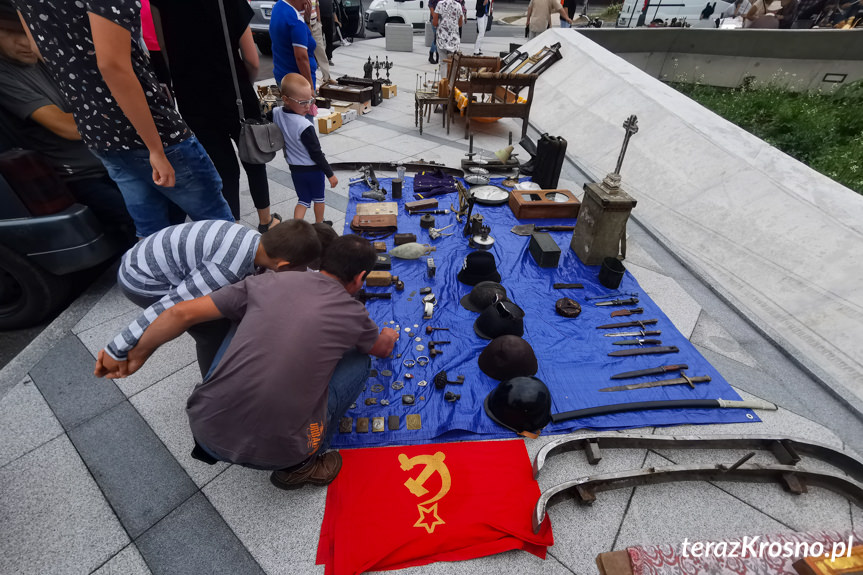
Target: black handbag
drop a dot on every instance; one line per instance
(259, 139)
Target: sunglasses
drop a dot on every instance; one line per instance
(303, 102)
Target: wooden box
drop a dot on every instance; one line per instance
(531, 204)
(330, 123)
(427, 204)
(389, 91)
(346, 93)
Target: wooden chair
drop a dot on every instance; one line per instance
(496, 95)
(460, 70)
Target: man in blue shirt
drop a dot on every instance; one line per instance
(293, 44)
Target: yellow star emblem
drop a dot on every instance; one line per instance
(428, 518)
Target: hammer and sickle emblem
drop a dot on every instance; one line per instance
(429, 518)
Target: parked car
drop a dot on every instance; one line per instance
(44, 238)
(414, 12)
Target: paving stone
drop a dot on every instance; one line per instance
(172, 356)
(54, 518)
(279, 528)
(508, 562)
(111, 305)
(337, 143)
(138, 475)
(26, 421)
(407, 144)
(163, 406)
(194, 539)
(126, 562)
(681, 309)
(671, 512)
(278, 193)
(709, 334)
(637, 255)
(65, 378)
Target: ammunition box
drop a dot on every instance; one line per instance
(428, 204)
(544, 250)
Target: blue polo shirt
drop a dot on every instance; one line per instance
(287, 30)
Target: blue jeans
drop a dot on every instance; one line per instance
(197, 191)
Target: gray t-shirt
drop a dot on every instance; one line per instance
(266, 402)
(23, 90)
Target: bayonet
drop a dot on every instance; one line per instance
(641, 333)
(621, 312)
(685, 380)
(630, 301)
(638, 342)
(650, 371)
(642, 323)
(644, 351)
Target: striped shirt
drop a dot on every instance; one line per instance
(181, 263)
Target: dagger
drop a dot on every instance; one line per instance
(644, 351)
(638, 342)
(670, 404)
(621, 312)
(685, 380)
(641, 333)
(630, 301)
(640, 323)
(650, 371)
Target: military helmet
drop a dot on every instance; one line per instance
(522, 404)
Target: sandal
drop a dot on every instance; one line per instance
(264, 227)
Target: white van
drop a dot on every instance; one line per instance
(690, 10)
(414, 12)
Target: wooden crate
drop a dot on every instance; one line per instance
(527, 204)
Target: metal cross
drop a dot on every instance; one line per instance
(631, 127)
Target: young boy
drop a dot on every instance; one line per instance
(302, 148)
(192, 260)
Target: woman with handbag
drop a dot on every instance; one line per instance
(209, 77)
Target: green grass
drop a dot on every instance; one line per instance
(824, 131)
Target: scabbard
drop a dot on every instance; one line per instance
(637, 342)
(644, 351)
(630, 301)
(669, 404)
(567, 286)
(639, 323)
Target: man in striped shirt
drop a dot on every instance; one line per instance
(191, 260)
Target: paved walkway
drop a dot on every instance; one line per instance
(96, 477)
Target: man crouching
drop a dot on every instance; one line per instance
(296, 361)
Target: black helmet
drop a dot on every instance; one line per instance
(522, 404)
(500, 318)
(483, 295)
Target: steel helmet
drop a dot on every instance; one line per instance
(522, 404)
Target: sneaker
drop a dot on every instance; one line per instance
(320, 472)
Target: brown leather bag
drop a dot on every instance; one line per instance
(377, 224)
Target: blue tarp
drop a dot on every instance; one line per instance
(572, 353)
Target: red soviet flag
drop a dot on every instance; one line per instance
(396, 507)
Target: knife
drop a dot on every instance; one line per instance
(638, 342)
(640, 323)
(641, 333)
(644, 351)
(630, 301)
(621, 312)
(650, 371)
(690, 381)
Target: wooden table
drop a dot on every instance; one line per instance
(427, 101)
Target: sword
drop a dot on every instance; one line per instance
(685, 380)
(630, 301)
(638, 342)
(621, 312)
(644, 351)
(650, 371)
(640, 323)
(670, 404)
(641, 333)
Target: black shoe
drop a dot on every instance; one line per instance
(330, 62)
(431, 59)
(264, 227)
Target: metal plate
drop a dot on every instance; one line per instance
(413, 421)
(393, 422)
(478, 170)
(490, 195)
(362, 425)
(346, 425)
(377, 424)
(476, 179)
